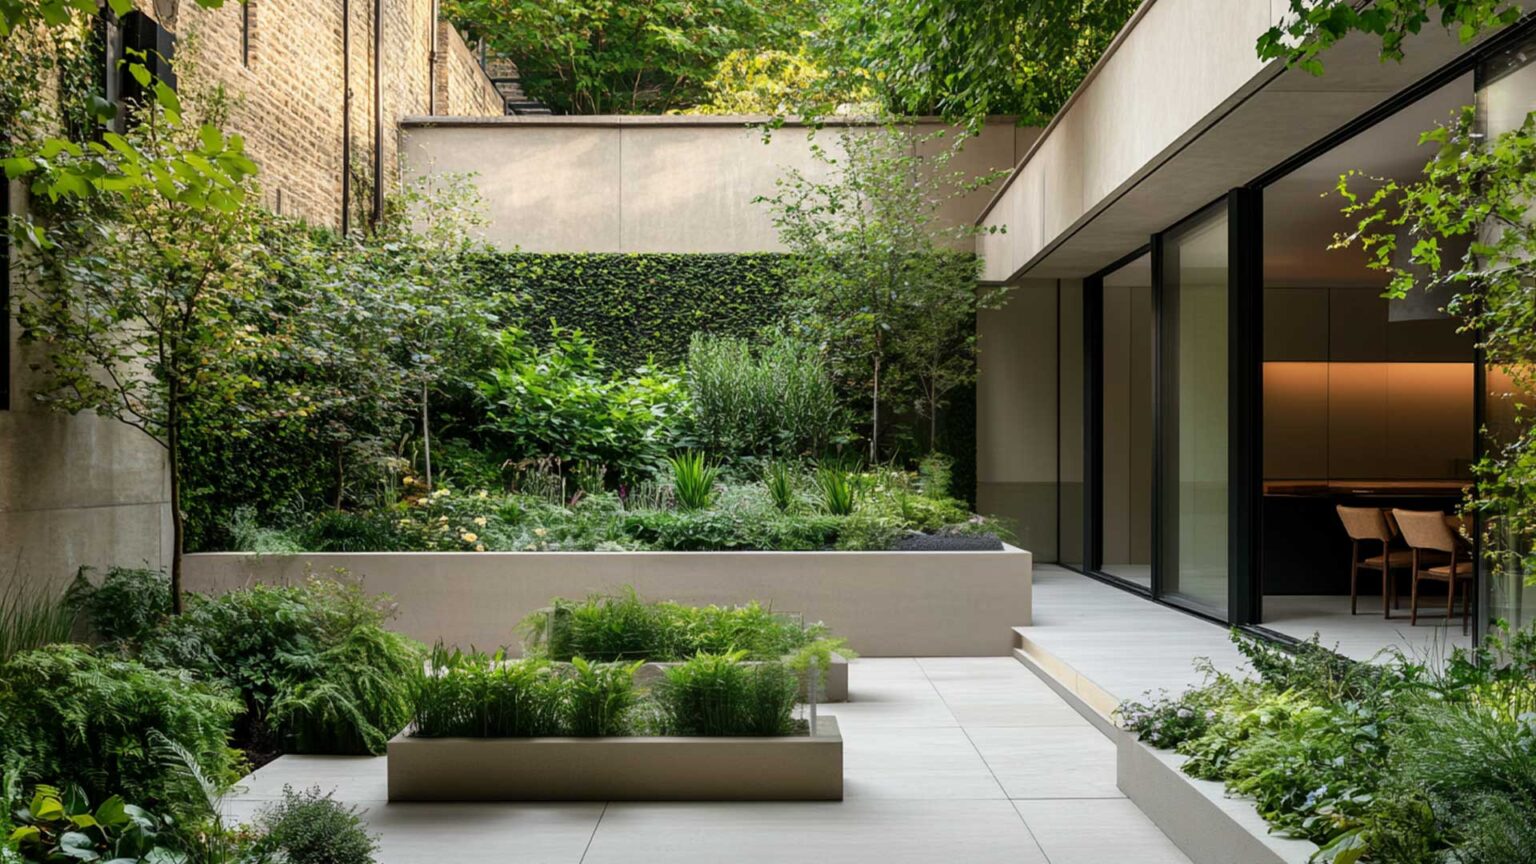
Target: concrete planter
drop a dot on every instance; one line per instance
(886, 604)
(834, 690)
(800, 768)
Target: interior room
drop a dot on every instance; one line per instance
(1368, 409)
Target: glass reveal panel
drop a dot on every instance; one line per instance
(1070, 364)
(1195, 466)
(1127, 402)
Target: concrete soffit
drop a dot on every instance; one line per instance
(1275, 114)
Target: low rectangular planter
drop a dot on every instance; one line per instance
(835, 688)
(798, 768)
(886, 604)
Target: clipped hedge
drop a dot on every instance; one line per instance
(640, 305)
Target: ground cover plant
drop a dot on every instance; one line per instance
(477, 695)
(701, 505)
(1399, 762)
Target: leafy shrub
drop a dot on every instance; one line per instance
(66, 711)
(776, 399)
(128, 604)
(31, 618)
(718, 694)
(316, 668)
(599, 698)
(486, 696)
(61, 826)
(247, 534)
(1389, 762)
(313, 828)
(693, 480)
(562, 401)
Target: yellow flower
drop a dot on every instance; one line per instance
(480, 520)
(483, 494)
(479, 547)
(406, 481)
(540, 532)
(470, 536)
(442, 518)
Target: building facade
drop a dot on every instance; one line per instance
(320, 88)
(1212, 382)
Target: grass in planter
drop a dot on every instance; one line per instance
(599, 698)
(694, 477)
(474, 695)
(721, 695)
(624, 627)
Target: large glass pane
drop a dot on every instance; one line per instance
(1070, 448)
(1194, 447)
(1126, 400)
(1506, 94)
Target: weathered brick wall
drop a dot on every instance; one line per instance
(285, 61)
(462, 86)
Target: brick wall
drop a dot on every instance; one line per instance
(462, 86)
(284, 59)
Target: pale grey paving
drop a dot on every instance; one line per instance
(1363, 636)
(1122, 642)
(945, 760)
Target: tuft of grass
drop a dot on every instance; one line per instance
(31, 617)
(720, 695)
(693, 480)
(475, 695)
(839, 489)
(599, 698)
(780, 480)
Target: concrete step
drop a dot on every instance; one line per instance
(1208, 825)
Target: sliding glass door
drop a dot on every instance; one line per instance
(1194, 489)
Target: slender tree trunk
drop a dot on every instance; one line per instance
(933, 421)
(341, 474)
(178, 526)
(874, 418)
(426, 438)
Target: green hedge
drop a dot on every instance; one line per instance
(636, 306)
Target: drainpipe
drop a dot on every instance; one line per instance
(346, 116)
(378, 114)
(432, 63)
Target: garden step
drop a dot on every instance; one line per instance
(1197, 815)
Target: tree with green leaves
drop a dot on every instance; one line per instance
(875, 277)
(1468, 219)
(135, 291)
(623, 56)
(964, 61)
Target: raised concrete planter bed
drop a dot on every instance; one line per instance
(799, 768)
(1210, 826)
(834, 690)
(886, 604)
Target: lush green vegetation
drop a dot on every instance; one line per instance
(1398, 763)
(964, 61)
(623, 627)
(793, 507)
(489, 696)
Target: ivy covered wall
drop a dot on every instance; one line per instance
(636, 306)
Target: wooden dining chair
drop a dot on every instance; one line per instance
(1428, 534)
(1369, 525)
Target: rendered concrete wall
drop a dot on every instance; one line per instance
(886, 604)
(73, 490)
(1016, 413)
(649, 184)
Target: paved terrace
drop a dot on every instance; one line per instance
(969, 761)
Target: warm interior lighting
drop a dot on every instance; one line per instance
(1379, 421)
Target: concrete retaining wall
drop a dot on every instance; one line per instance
(886, 604)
